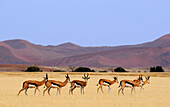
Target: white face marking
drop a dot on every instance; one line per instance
(148, 81)
(141, 83)
(69, 80)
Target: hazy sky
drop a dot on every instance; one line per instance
(84, 22)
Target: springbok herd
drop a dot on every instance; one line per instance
(81, 84)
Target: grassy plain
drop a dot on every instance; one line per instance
(156, 94)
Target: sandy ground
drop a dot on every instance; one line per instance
(156, 94)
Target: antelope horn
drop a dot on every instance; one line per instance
(46, 75)
(84, 75)
(87, 74)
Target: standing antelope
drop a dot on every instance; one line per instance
(131, 84)
(106, 82)
(144, 82)
(78, 83)
(56, 84)
(33, 84)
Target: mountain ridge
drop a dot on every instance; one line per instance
(152, 53)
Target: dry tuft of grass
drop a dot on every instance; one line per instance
(156, 94)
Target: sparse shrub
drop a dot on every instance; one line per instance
(59, 71)
(152, 69)
(83, 69)
(33, 69)
(119, 69)
(156, 69)
(103, 71)
(92, 70)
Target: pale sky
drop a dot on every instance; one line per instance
(84, 22)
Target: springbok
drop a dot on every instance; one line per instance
(144, 82)
(33, 84)
(131, 84)
(106, 82)
(78, 83)
(55, 84)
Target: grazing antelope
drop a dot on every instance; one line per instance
(131, 84)
(144, 82)
(78, 83)
(56, 84)
(33, 84)
(106, 82)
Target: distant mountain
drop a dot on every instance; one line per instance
(69, 54)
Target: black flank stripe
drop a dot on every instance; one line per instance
(78, 83)
(107, 82)
(33, 84)
(55, 84)
(129, 83)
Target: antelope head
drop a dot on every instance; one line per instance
(147, 79)
(86, 77)
(140, 79)
(115, 78)
(67, 77)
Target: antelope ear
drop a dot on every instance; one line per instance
(148, 77)
(89, 78)
(83, 77)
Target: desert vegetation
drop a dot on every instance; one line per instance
(157, 69)
(33, 69)
(119, 69)
(83, 69)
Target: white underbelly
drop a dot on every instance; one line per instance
(128, 85)
(54, 86)
(77, 85)
(31, 86)
(105, 84)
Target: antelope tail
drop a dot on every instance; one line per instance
(97, 84)
(23, 85)
(119, 84)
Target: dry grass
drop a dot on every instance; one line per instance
(156, 93)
